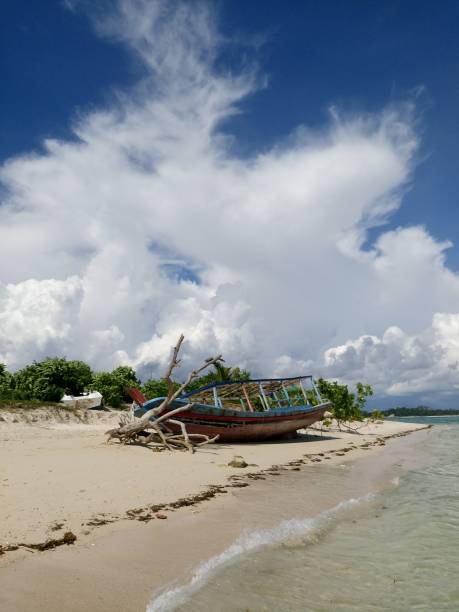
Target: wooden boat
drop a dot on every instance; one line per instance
(246, 410)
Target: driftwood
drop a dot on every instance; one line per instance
(152, 428)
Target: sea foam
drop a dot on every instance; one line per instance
(306, 529)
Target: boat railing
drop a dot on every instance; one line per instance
(261, 395)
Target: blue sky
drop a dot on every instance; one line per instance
(277, 180)
(359, 56)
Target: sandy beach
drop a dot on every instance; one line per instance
(143, 520)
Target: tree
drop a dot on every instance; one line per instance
(158, 387)
(363, 391)
(50, 379)
(220, 373)
(155, 388)
(347, 406)
(5, 382)
(112, 385)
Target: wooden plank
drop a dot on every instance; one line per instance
(246, 395)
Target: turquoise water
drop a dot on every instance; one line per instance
(429, 420)
(393, 550)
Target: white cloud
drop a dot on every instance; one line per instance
(37, 318)
(150, 196)
(401, 364)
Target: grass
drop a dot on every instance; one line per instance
(9, 404)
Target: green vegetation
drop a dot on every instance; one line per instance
(9, 404)
(155, 388)
(5, 381)
(347, 406)
(50, 379)
(419, 411)
(220, 373)
(46, 381)
(158, 388)
(113, 385)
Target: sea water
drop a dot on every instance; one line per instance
(396, 549)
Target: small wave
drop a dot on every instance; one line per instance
(395, 481)
(308, 529)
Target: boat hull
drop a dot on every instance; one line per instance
(246, 427)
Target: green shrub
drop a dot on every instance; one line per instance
(113, 385)
(155, 388)
(6, 380)
(49, 380)
(220, 373)
(347, 406)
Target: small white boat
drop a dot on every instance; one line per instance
(83, 402)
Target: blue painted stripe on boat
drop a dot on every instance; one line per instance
(213, 410)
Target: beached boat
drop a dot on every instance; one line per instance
(86, 401)
(246, 410)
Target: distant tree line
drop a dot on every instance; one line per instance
(419, 411)
(49, 380)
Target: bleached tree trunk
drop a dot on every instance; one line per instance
(158, 417)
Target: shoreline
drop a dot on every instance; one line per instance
(109, 539)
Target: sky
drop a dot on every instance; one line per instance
(276, 181)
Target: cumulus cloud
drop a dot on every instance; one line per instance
(37, 316)
(401, 364)
(147, 224)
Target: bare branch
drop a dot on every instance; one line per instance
(191, 376)
(158, 419)
(184, 434)
(167, 416)
(174, 363)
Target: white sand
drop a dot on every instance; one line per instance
(67, 474)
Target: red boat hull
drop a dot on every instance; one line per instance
(236, 429)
